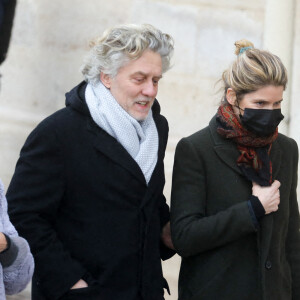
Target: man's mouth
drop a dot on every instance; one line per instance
(143, 103)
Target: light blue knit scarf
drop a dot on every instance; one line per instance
(139, 138)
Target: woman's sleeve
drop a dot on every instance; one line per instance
(17, 261)
(17, 275)
(293, 237)
(193, 231)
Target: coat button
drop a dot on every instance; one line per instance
(268, 265)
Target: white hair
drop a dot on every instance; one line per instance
(121, 44)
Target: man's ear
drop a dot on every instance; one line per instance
(105, 79)
(231, 96)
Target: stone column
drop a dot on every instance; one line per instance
(278, 39)
(294, 81)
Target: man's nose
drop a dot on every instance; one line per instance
(149, 89)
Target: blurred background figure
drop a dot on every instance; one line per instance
(16, 261)
(7, 12)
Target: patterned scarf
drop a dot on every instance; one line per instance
(139, 138)
(254, 160)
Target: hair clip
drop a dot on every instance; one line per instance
(242, 50)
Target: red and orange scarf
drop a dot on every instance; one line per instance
(254, 160)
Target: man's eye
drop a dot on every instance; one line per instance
(139, 79)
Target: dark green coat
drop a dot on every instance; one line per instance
(225, 256)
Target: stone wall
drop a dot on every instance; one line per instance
(295, 80)
(50, 39)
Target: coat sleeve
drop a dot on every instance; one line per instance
(293, 237)
(17, 261)
(34, 197)
(165, 252)
(193, 231)
(19, 273)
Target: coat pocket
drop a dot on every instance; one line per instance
(90, 292)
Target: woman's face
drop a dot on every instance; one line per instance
(268, 97)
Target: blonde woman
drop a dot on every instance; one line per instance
(234, 211)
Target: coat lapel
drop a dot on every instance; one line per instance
(275, 156)
(225, 149)
(267, 221)
(111, 148)
(162, 140)
(156, 178)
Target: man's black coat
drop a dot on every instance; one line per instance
(84, 206)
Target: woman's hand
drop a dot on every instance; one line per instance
(269, 196)
(3, 242)
(166, 236)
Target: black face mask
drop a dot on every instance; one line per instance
(263, 122)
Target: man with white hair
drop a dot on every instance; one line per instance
(87, 192)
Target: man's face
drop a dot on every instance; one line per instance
(136, 84)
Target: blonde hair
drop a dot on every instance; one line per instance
(124, 43)
(253, 69)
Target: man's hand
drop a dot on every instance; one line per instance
(3, 242)
(166, 236)
(79, 285)
(268, 196)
